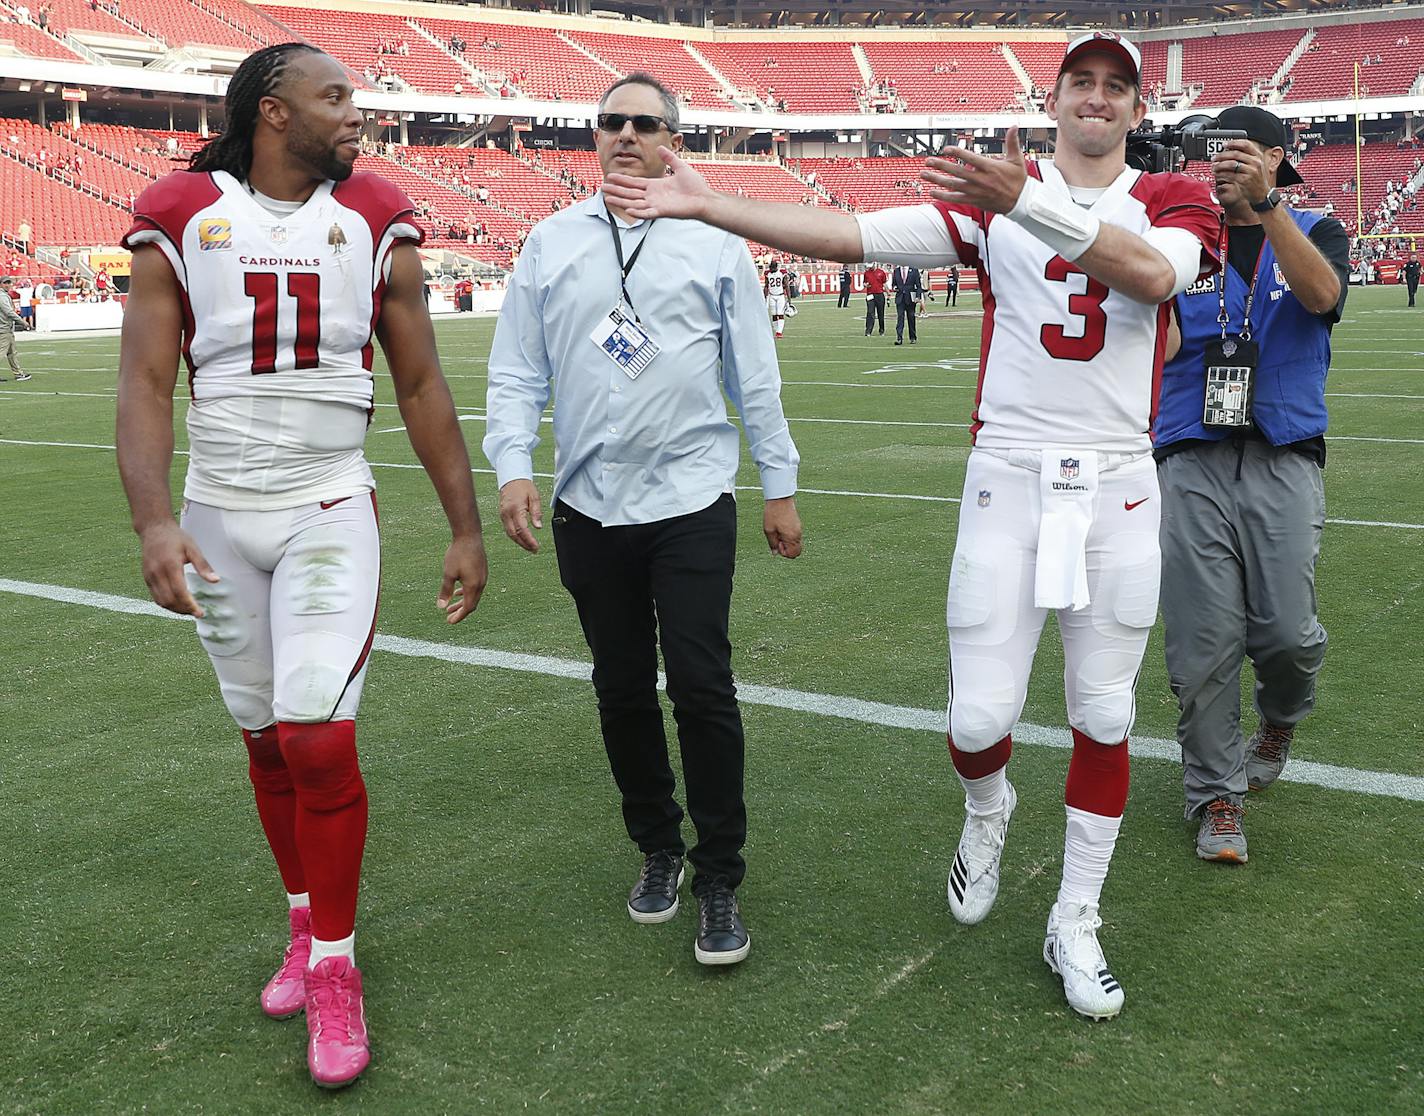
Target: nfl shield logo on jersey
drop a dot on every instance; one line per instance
(984, 497)
(277, 234)
(1068, 467)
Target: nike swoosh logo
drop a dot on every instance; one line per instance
(1125, 505)
(327, 505)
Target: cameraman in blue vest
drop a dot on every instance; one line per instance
(1240, 448)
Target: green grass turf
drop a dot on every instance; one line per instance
(142, 912)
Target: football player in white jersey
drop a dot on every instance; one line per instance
(269, 268)
(1075, 259)
(774, 287)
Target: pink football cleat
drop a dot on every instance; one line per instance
(336, 1021)
(286, 993)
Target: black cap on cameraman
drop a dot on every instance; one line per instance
(1267, 129)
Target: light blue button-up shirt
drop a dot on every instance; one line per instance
(644, 450)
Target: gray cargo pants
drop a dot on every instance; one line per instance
(8, 350)
(1241, 528)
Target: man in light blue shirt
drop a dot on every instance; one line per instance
(638, 330)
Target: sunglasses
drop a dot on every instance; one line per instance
(642, 122)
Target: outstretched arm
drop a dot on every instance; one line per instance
(1121, 259)
(429, 415)
(824, 234)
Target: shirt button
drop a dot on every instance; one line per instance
(617, 388)
(613, 430)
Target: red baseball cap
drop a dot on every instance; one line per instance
(1107, 42)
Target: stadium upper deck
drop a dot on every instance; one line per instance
(441, 50)
(74, 186)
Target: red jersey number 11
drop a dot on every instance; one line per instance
(305, 288)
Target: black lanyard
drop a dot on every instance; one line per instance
(618, 251)
(1223, 319)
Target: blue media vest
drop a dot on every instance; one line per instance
(1289, 400)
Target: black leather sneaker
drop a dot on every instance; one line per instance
(654, 896)
(722, 939)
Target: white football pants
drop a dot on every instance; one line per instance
(289, 626)
(994, 625)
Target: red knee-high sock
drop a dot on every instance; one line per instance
(276, 803)
(975, 765)
(984, 774)
(1097, 777)
(1095, 795)
(331, 819)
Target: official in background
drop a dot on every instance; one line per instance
(643, 515)
(954, 286)
(1411, 276)
(1240, 448)
(844, 299)
(10, 321)
(908, 293)
(875, 280)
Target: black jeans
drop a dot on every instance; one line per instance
(844, 299)
(668, 582)
(874, 309)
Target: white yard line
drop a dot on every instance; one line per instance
(1332, 438)
(840, 422)
(907, 496)
(1367, 395)
(1378, 783)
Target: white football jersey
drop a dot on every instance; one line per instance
(279, 316)
(775, 284)
(1064, 360)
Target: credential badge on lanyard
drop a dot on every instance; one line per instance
(620, 335)
(1231, 359)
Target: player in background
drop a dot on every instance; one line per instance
(268, 267)
(774, 287)
(1060, 508)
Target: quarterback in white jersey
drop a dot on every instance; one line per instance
(1075, 259)
(270, 269)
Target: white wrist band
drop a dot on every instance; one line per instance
(1055, 220)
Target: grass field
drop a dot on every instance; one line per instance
(141, 911)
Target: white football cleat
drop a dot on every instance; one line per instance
(1072, 951)
(974, 875)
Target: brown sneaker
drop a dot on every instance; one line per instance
(1220, 836)
(1266, 755)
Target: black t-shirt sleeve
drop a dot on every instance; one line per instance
(1330, 237)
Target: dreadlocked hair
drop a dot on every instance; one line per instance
(259, 76)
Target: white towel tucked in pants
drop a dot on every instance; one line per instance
(1068, 484)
